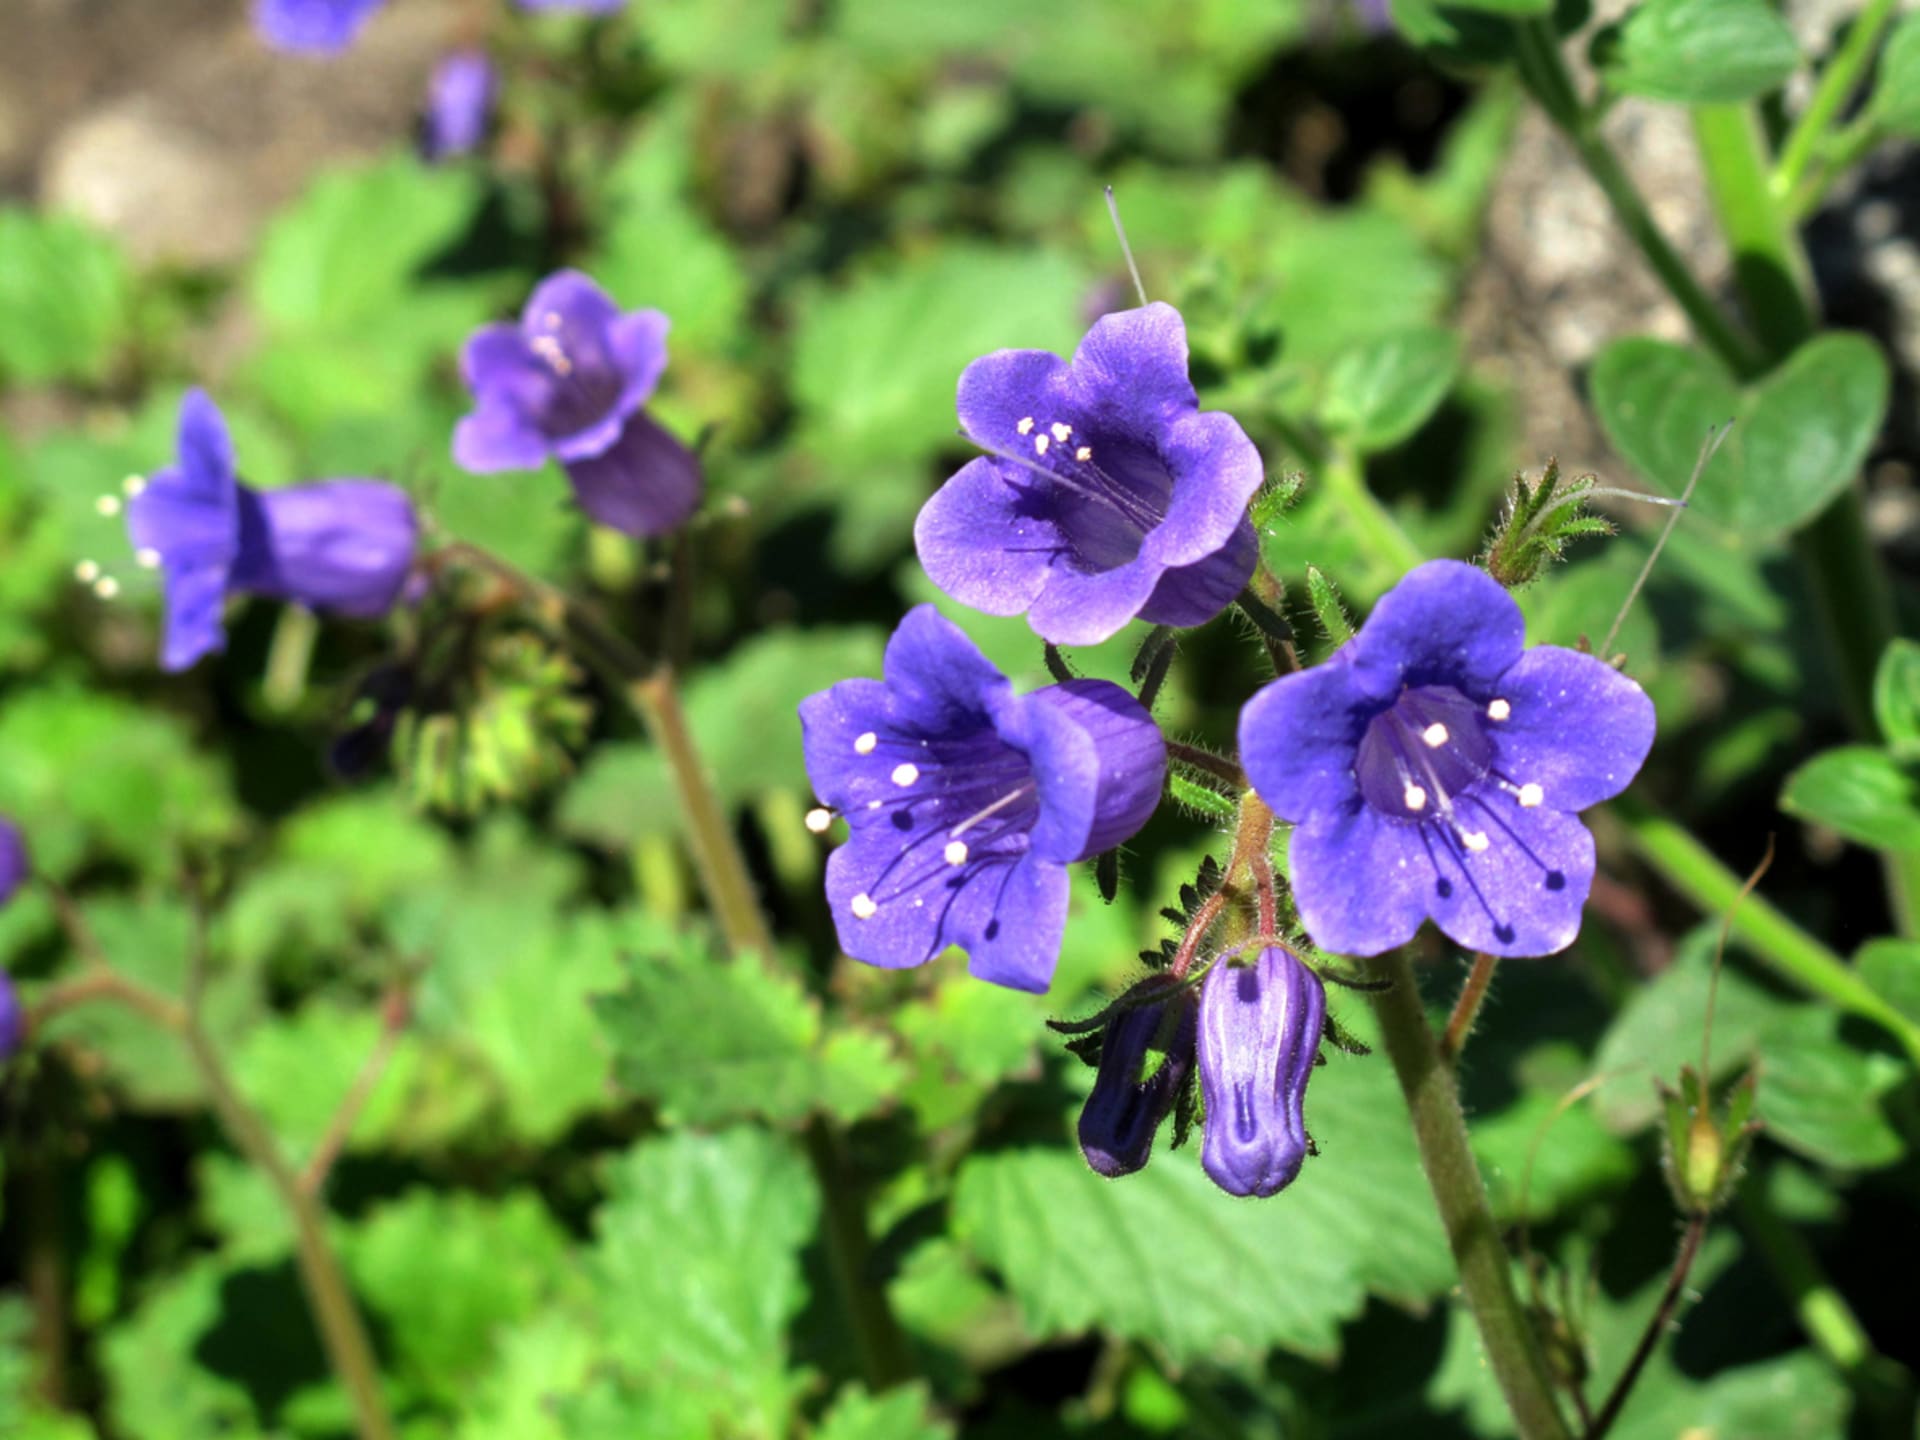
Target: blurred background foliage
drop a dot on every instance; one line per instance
(577, 1202)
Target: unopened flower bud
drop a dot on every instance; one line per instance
(1131, 1095)
(1260, 1030)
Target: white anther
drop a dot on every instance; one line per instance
(956, 852)
(873, 804)
(1498, 709)
(819, 819)
(905, 775)
(106, 587)
(863, 906)
(1415, 797)
(1083, 454)
(108, 505)
(133, 485)
(1474, 840)
(1060, 431)
(863, 745)
(86, 572)
(147, 558)
(1531, 795)
(1040, 443)
(1025, 427)
(1435, 735)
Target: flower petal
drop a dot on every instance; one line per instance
(1259, 1034)
(1575, 726)
(1193, 594)
(1521, 895)
(1130, 372)
(1445, 623)
(1361, 882)
(319, 27)
(1013, 931)
(196, 598)
(1084, 608)
(340, 545)
(1000, 391)
(639, 344)
(1299, 737)
(937, 679)
(981, 541)
(1217, 472)
(1099, 763)
(646, 483)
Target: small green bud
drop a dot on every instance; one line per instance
(1538, 523)
(1704, 1154)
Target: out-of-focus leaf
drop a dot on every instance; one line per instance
(535, 1366)
(1860, 791)
(1382, 391)
(900, 1414)
(1798, 435)
(1893, 968)
(1572, 1155)
(156, 1387)
(1896, 698)
(1700, 52)
(1896, 94)
(65, 298)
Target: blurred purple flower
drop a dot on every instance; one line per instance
(319, 27)
(13, 1018)
(1106, 493)
(568, 382)
(14, 864)
(339, 545)
(1259, 1033)
(967, 802)
(459, 104)
(1434, 767)
(1124, 1111)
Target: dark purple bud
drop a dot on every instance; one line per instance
(1259, 1032)
(14, 867)
(1124, 1111)
(459, 105)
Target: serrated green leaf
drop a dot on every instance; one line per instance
(1380, 392)
(1798, 436)
(903, 1413)
(1700, 52)
(1896, 698)
(1860, 791)
(65, 298)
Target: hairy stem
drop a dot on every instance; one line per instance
(1486, 1271)
(1466, 1010)
(1656, 1327)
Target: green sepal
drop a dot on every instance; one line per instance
(1202, 800)
(1335, 623)
(1703, 1156)
(1537, 524)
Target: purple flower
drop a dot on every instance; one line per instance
(339, 545)
(1106, 493)
(1123, 1112)
(1259, 1033)
(568, 382)
(1434, 767)
(459, 104)
(967, 802)
(14, 864)
(13, 1018)
(320, 27)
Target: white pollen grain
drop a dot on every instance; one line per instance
(1531, 795)
(1435, 735)
(1083, 454)
(819, 819)
(1040, 443)
(1025, 427)
(863, 745)
(133, 485)
(86, 572)
(108, 505)
(1060, 431)
(147, 558)
(904, 775)
(956, 852)
(1474, 840)
(1415, 797)
(106, 587)
(1498, 709)
(863, 907)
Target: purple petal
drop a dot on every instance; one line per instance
(937, 677)
(568, 324)
(318, 27)
(647, 483)
(13, 1018)
(1217, 471)
(459, 104)
(1445, 623)
(1193, 594)
(1520, 896)
(1361, 882)
(187, 518)
(980, 542)
(14, 864)
(1575, 726)
(1299, 737)
(496, 437)
(1013, 929)
(1122, 1114)
(1084, 608)
(196, 599)
(1000, 391)
(1259, 1031)
(639, 344)
(340, 545)
(1099, 764)
(511, 388)
(1130, 371)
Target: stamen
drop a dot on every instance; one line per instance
(905, 775)
(1474, 840)
(106, 587)
(108, 505)
(1435, 735)
(1083, 454)
(86, 572)
(956, 852)
(1498, 710)
(1061, 431)
(863, 907)
(147, 558)
(819, 819)
(1531, 795)
(1040, 443)
(1025, 427)
(1415, 797)
(133, 485)
(998, 805)
(864, 744)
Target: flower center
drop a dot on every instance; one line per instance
(582, 382)
(1104, 494)
(1425, 750)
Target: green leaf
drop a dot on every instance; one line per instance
(349, 250)
(535, 1365)
(1700, 52)
(903, 1413)
(1896, 94)
(65, 298)
(1798, 436)
(711, 1040)
(1860, 791)
(156, 1389)
(1382, 391)
(1164, 1256)
(1896, 698)
(1893, 968)
(697, 1272)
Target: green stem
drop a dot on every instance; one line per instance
(1486, 1271)
(1657, 1326)
(884, 1357)
(1843, 150)
(1838, 81)
(1769, 266)
(1343, 480)
(1766, 933)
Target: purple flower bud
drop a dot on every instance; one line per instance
(14, 866)
(13, 1018)
(1259, 1034)
(318, 27)
(459, 105)
(1124, 1112)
